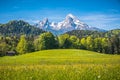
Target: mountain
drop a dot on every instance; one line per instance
(69, 23)
(17, 28)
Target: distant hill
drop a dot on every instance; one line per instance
(84, 33)
(17, 28)
(113, 32)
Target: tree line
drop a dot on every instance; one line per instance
(26, 44)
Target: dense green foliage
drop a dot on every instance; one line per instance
(3, 48)
(45, 41)
(112, 33)
(35, 39)
(105, 42)
(110, 45)
(67, 41)
(17, 28)
(8, 44)
(60, 64)
(11, 32)
(85, 33)
(22, 45)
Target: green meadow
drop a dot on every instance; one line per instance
(60, 64)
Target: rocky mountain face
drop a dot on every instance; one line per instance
(69, 23)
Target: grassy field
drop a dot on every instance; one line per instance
(61, 64)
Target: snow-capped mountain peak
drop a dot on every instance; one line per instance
(69, 23)
(45, 21)
(44, 24)
(70, 15)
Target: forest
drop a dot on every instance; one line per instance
(21, 37)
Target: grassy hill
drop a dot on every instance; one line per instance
(61, 64)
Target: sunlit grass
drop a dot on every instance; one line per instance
(62, 64)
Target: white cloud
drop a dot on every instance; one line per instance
(101, 17)
(104, 21)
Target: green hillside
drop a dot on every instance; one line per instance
(19, 27)
(61, 64)
(61, 56)
(85, 33)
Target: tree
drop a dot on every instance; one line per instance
(105, 45)
(89, 43)
(30, 46)
(64, 41)
(97, 45)
(115, 44)
(3, 48)
(45, 41)
(74, 42)
(37, 44)
(83, 43)
(22, 45)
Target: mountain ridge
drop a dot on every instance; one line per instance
(70, 23)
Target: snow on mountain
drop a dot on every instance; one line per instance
(70, 23)
(44, 24)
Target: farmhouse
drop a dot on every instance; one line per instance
(10, 53)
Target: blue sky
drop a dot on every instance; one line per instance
(103, 14)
